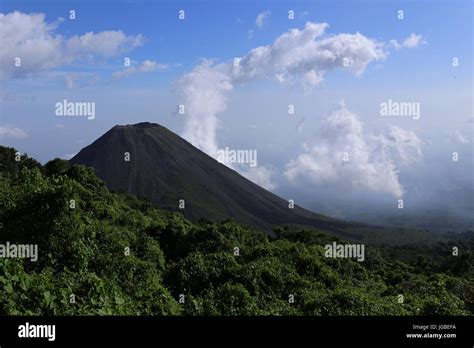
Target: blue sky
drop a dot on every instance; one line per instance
(248, 109)
(211, 25)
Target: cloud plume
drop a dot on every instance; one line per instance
(303, 54)
(346, 156)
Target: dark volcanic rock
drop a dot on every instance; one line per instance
(165, 168)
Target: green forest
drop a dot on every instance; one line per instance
(106, 253)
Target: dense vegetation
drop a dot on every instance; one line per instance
(83, 250)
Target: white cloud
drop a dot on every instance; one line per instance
(33, 40)
(303, 54)
(261, 175)
(401, 146)
(312, 78)
(297, 52)
(144, 67)
(261, 18)
(280, 78)
(104, 44)
(9, 131)
(372, 160)
(414, 40)
(460, 138)
(204, 91)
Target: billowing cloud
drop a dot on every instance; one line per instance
(346, 156)
(205, 91)
(12, 132)
(312, 78)
(304, 55)
(33, 40)
(306, 52)
(144, 67)
(261, 18)
(399, 145)
(414, 40)
(297, 54)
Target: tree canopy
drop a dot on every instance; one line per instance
(105, 253)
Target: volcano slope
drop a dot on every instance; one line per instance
(150, 161)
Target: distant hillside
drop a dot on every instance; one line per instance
(165, 168)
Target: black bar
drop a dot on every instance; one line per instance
(241, 330)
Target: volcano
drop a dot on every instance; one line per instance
(150, 161)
